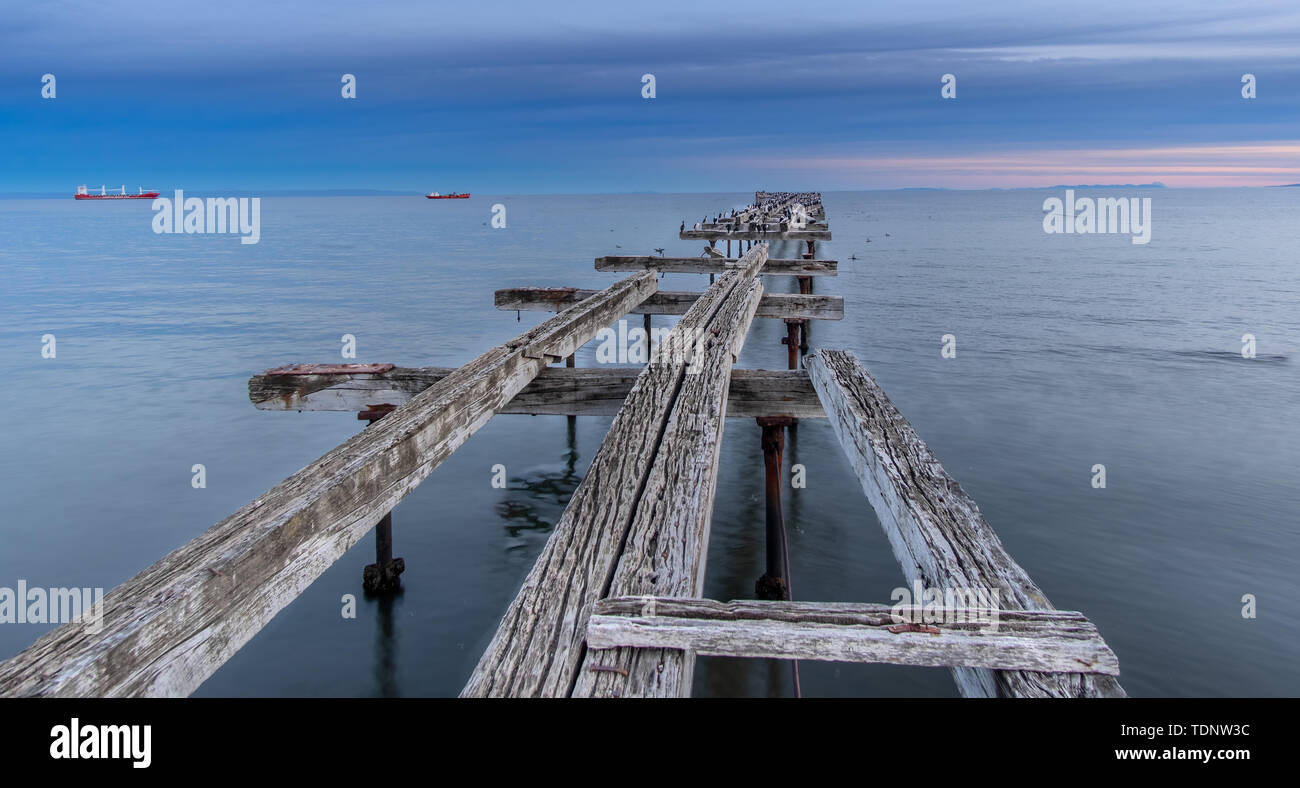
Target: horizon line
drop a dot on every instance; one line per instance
(358, 192)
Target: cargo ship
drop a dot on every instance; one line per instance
(452, 196)
(82, 194)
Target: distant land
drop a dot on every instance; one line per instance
(333, 193)
(234, 193)
(314, 192)
(63, 195)
(1152, 185)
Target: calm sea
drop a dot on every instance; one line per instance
(1071, 351)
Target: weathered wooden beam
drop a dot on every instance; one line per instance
(751, 235)
(639, 520)
(558, 391)
(938, 534)
(1041, 640)
(705, 265)
(666, 546)
(772, 218)
(671, 302)
(171, 626)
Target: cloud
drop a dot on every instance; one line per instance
(1253, 164)
(251, 88)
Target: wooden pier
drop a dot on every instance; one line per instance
(786, 217)
(612, 605)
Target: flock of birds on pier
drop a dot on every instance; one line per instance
(780, 205)
(738, 219)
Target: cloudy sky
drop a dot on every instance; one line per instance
(515, 97)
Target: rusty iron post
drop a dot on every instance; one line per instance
(806, 288)
(774, 584)
(808, 255)
(384, 576)
(791, 341)
(572, 362)
(384, 540)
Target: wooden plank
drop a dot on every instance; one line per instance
(671, 302)
(1047, 641)
(938, 534)
(705, 265)
(559, 391)
(755, 225)
(171, 626)
(664, 436)
(666, 546)
(749, 235)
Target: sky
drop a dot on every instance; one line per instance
(517, 97)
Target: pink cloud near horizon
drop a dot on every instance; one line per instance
(1204, 165)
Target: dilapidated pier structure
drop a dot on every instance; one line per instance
(612, 605)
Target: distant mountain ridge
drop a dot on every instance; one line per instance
(1152, 185)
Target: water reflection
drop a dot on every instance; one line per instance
(386, 647)
(535, 502)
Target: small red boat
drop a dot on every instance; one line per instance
(82, 194)
(452, 196)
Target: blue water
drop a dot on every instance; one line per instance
(1071, 350)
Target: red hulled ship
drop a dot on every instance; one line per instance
(82, 194)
